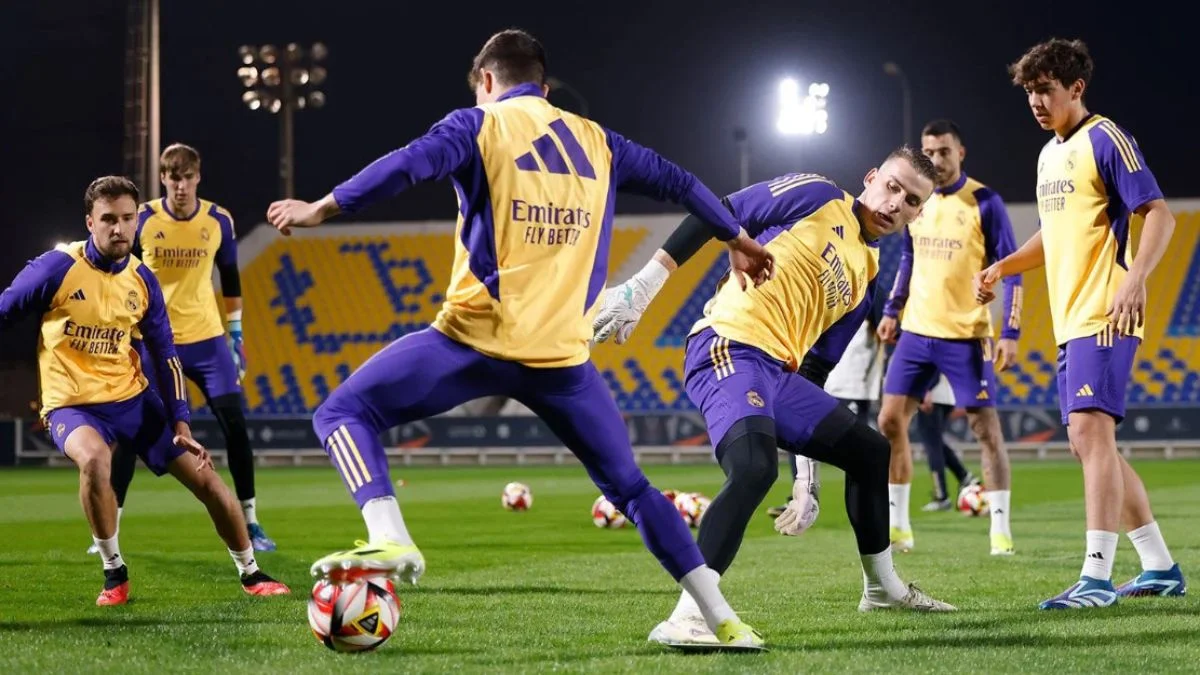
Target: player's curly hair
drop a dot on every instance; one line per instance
(108, 188)
(1067, 61)
(919, 161)
(514, 55)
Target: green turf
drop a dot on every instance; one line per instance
(546, 590)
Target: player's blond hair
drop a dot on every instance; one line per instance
(178, 158)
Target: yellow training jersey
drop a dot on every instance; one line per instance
(90, 307)
(824, 269)
(962, 229)
(1089, 183)
(181, 250)
(536, 188)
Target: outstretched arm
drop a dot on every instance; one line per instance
(445, 149)
(34, 287)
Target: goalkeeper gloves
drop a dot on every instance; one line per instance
(237, 346)
(802, 511)
(624, 304)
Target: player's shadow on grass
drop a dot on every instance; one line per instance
(546, 590)
(121, 622)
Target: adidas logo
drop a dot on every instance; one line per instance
(160, 235)
(552, 159)
(840, 231)
(1096, 556)
(982, 396)
(78, 295)
(1085, 390)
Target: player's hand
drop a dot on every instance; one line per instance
(1128, 310)
(288, 213)
(624, 305)
(237, 348)
(927, 404)
(747, 257)
(889, 330)
(801, 512)
(1006, 354)
(984, 282)
(183, 439)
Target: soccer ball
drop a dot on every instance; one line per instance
(355, 616)
(605, 515)
(691, 507)
(670, 495)
(972, 501)
(516, 497)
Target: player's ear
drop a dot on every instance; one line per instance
(90, 223)
(870, 177)
(962, 153)
(1077, 88)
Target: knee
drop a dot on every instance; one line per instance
(892, 423)
(93, 459)
(749, 455)
(986, 427)
(332, 413)
(1090, 434)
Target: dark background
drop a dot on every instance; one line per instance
(676, 76)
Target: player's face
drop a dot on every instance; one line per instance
(1052, 103)
(181, 187)
(893, 196)
(113, 224)
(947, 154)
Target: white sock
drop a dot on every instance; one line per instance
(879, 576)
(244, 560)
(686, 607)
(249, 512)
(110, 552)
(898, 505)
(384, 522)
(120, 510)
(998, 503)
(1151, 547)
(701, 584)
(1101, 549)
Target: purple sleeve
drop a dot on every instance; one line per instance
(833, 342)
(34, 287)
(227, 251)
(899, 295)
(1122, 167)
(160, 346)
(782, 201)
(642, 171)
(144, 214)
(999, 242)
(446, 148)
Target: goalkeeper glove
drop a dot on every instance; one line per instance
(623, 305)
(237, 346)
(805, 506)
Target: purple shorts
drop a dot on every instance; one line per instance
(1093, 373)
(139, 423)
(208, 363)
(967, 365)
(729, 381)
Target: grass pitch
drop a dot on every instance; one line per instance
(546, 590)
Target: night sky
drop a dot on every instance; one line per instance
(676, 76)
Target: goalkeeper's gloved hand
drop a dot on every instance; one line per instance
(805, 506)
(236, 344)
(624, 304)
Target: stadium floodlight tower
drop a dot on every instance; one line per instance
(797, 116)
(281, 83)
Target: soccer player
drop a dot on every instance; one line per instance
(1092, 178)
(744, 354)
(964, 228)
(92, 295)
(180, 237)
(535, 187)
(931, 428)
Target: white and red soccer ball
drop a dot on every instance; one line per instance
(605, 515)
(972, 501)
(691, 507)
(354, 616)
(516, 497)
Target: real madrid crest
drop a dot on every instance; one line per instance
(1071, 161)
(131, 303)
(961, 218)
(754, 399)
(204, 234)
(59, 429)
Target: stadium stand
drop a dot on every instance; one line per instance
(319, 305)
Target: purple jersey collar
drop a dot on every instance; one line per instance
(953, 187)
(527, 89)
